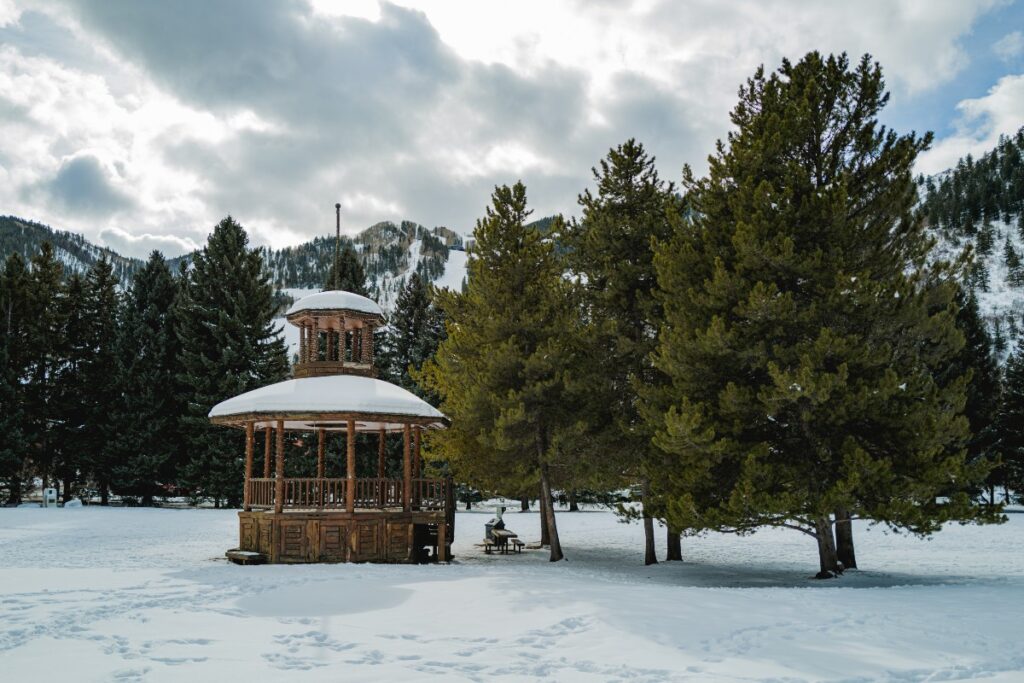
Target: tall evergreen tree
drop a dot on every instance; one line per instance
(99, 374)
(1010, 444)
(42, 345)
(503, 372)
(414, 331)
(804, 329)
(611, 248)
(14, 286)
(348, 275)
(228, 346)
(73, 411)
(149, 441)
(982, 401)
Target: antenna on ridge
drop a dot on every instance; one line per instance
(337, 246)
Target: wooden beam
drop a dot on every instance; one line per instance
(406, 471)
(350, 485)
(418, 460)
(442, 541)
(382, 469)
(279, 481)
(250, 446)
(266, 452)
(320, 453)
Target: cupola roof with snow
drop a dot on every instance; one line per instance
(334, 300)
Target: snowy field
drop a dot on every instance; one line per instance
(95, 594)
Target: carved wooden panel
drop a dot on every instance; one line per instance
(263, 536)
(398, 541)
(333, 542)
(247, 534)
(366, 541)
(293, 540)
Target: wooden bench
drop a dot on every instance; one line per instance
(517, 545)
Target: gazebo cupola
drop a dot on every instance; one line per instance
(335, 334)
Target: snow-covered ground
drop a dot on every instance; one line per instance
(94, 594)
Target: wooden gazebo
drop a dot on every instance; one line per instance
(334, 390)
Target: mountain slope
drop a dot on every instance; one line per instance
(389, 253)
(76, 253)
(979, 205)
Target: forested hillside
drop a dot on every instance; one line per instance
(980, 204)
(389, 253)
(75, 253)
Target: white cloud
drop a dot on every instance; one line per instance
(982, 121)
(140, 245)
(273, 112)
(1009, 46)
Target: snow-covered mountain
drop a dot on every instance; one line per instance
(389, 253)
(979, 204)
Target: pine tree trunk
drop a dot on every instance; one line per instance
(524, 504)
(573, 504)
(147, 499)
(15, 491)
(104, 493)
(66, 493)
(844, 539)
(829, 564)
(675, 546)
(545, 537)
(552, 527)
(469, 504)
(650, 556)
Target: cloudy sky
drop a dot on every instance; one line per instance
(140, 124)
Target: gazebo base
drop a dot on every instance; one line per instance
(303, 536)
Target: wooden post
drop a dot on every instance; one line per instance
(320, 453)
(279, 481)
(381, 457)
(266, 452)
(418, 467)
(406, 472)
(442, 541)
(250, 445)
(367, 346)
(350, 484)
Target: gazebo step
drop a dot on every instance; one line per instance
(245, 556)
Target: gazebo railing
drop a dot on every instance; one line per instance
(329, 493)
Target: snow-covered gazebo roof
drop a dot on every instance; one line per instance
(327, 402)
(335, 300)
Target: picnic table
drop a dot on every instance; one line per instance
(501, 539)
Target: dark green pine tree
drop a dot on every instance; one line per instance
(14, 287)
(1010, 443)
(982, 402)
(805, 332)
(42, 344)
(610, 246)
(347, 274)
(414, 331)
(1014, 271)
(148, 441)
(99, 371)
(229, 345)
(73, 412)
(12, 439)
(503, 371)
